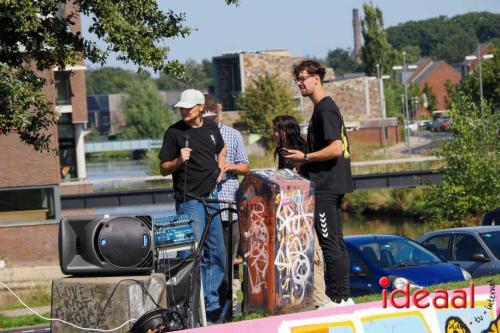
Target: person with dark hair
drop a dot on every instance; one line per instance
(286, 135)
(193, 152)
(327, 164)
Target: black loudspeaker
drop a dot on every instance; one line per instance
(102, 245)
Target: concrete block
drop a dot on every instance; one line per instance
(81, 300)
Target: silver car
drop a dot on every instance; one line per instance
(475, 249)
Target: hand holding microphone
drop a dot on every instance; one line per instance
(186, 151)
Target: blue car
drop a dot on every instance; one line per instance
(400, 259)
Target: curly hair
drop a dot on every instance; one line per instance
(311, 66)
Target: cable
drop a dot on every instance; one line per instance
(113, 292)
(63, 321)
(186, 145)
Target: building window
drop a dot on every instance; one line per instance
(63, 89)
(23, 205)
(67, 146)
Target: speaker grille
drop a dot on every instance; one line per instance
(148, 262)
(78, 246)
(125, 241)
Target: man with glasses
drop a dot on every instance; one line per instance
(327, 165)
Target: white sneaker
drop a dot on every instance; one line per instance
(331, 304)
(348, 302)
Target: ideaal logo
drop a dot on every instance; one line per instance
(440, 299)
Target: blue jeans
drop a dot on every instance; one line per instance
(213, 262)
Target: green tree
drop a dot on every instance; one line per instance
(472, 164)
(444, 38)
(34, 35)
(376, 49)
(430, 96)
(263, 100)
(197, 76)
(147, 115)
(23, 107)
(393, 92)
(93, 136)
(490, 72)
(111, 80)
(341, 61)
(455, 47)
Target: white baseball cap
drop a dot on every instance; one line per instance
(190, 98)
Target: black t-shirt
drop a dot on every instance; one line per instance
(332, 176)
(202, 167)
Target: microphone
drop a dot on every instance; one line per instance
(186, 141)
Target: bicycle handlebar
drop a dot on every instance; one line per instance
(208, 200)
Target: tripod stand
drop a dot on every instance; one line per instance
(212, 209)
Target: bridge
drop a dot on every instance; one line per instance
(99, 147)
(397, 179)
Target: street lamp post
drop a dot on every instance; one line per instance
(414, 107)
(405, 115)
(478, 57)
(403, 69)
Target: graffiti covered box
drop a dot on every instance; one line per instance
(276, 212)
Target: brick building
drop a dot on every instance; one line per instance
(358, 97)
(29, 181)
(435, 74)
(468, 66)
(105, 113)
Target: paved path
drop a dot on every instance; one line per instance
(416, 142)
(23, 311)
(19, 277)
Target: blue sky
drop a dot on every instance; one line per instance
(305, 28)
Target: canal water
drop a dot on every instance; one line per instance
(116, 169)
(354, 224)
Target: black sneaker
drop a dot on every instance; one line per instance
(213, 316)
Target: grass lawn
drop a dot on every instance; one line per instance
(22, 321)
(38, 295)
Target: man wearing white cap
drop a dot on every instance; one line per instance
(193, 152)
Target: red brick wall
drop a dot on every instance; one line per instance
(29, 245)
(77, 79)
(374, 135)
(437, 80)
(20, 164)
(78, 96)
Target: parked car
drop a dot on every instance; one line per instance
(424, 124)
(475, 249)
(441, 125)
(398, 258)
(412, 126)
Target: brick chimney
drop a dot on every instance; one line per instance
(356, 26)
